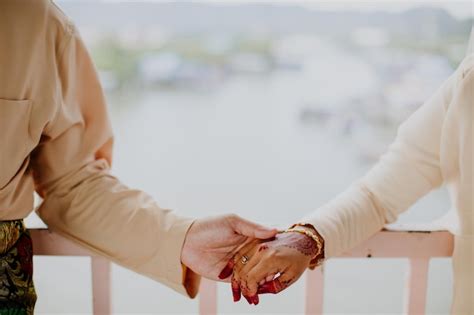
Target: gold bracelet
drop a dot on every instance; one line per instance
(308, 234)
(319, 238)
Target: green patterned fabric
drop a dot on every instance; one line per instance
(17, 292)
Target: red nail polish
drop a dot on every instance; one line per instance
(273, 286)
(236, 298)
(227, 271)
(235, 290)
(249, 300)
(236, 295)
(255, 300)
(265, 288)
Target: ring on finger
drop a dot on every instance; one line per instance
(244, 259)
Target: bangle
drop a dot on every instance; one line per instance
(308, 234)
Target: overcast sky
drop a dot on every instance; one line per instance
(460, 9)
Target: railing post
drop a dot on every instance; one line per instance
(314, 294)
(101, 302)
(208, 297)
(421, 246)
(417, 282)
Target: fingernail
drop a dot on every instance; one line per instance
(227, 271)
(255, 300)
(249, 300)
(236, 296)
(270, 287)
(236, 293)
(264, 288)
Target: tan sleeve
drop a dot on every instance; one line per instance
(83, 201)
(409, 170)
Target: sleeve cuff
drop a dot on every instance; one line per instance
(179, 277)
(166, 266)
(191, 282)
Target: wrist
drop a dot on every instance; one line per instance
(187, 244)
(311, 232)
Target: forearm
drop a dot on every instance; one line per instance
(93, 208)
(349, 219)
(314, 240)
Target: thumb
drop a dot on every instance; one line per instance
(250, 229)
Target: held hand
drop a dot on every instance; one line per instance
(272, 266)
(212, 242)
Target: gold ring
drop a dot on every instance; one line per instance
(244, 260)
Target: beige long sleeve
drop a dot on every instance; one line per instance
(58, 132)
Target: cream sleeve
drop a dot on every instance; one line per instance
(409, 170)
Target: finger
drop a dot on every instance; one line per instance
(242, 271)
(235, 264)
(254, 255)
(227, 271)
(248, 251)
(259, 274)
(248, 299)
(255, 299)
(240, 288)
(235, 289)
(252, 298)
(279, 284)
(267, 279)
(244, 290)
(260, 271)
(273, 286)
(250, 229)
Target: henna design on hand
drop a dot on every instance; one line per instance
(263, 247)
(273, 286)
(236, 293)
(300, 242)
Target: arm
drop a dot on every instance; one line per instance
(409, 169)
(84, 202)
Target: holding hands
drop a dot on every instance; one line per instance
(211, 242)
(272, 265)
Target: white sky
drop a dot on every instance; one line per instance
(458, 8)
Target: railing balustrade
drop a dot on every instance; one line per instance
(417, 246)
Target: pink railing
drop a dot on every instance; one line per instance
(48, 243)
(418, 247)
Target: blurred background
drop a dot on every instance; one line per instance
(267, 109)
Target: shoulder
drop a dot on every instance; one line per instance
(34, 20)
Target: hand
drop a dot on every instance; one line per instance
(272, 265)
(211, 242)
